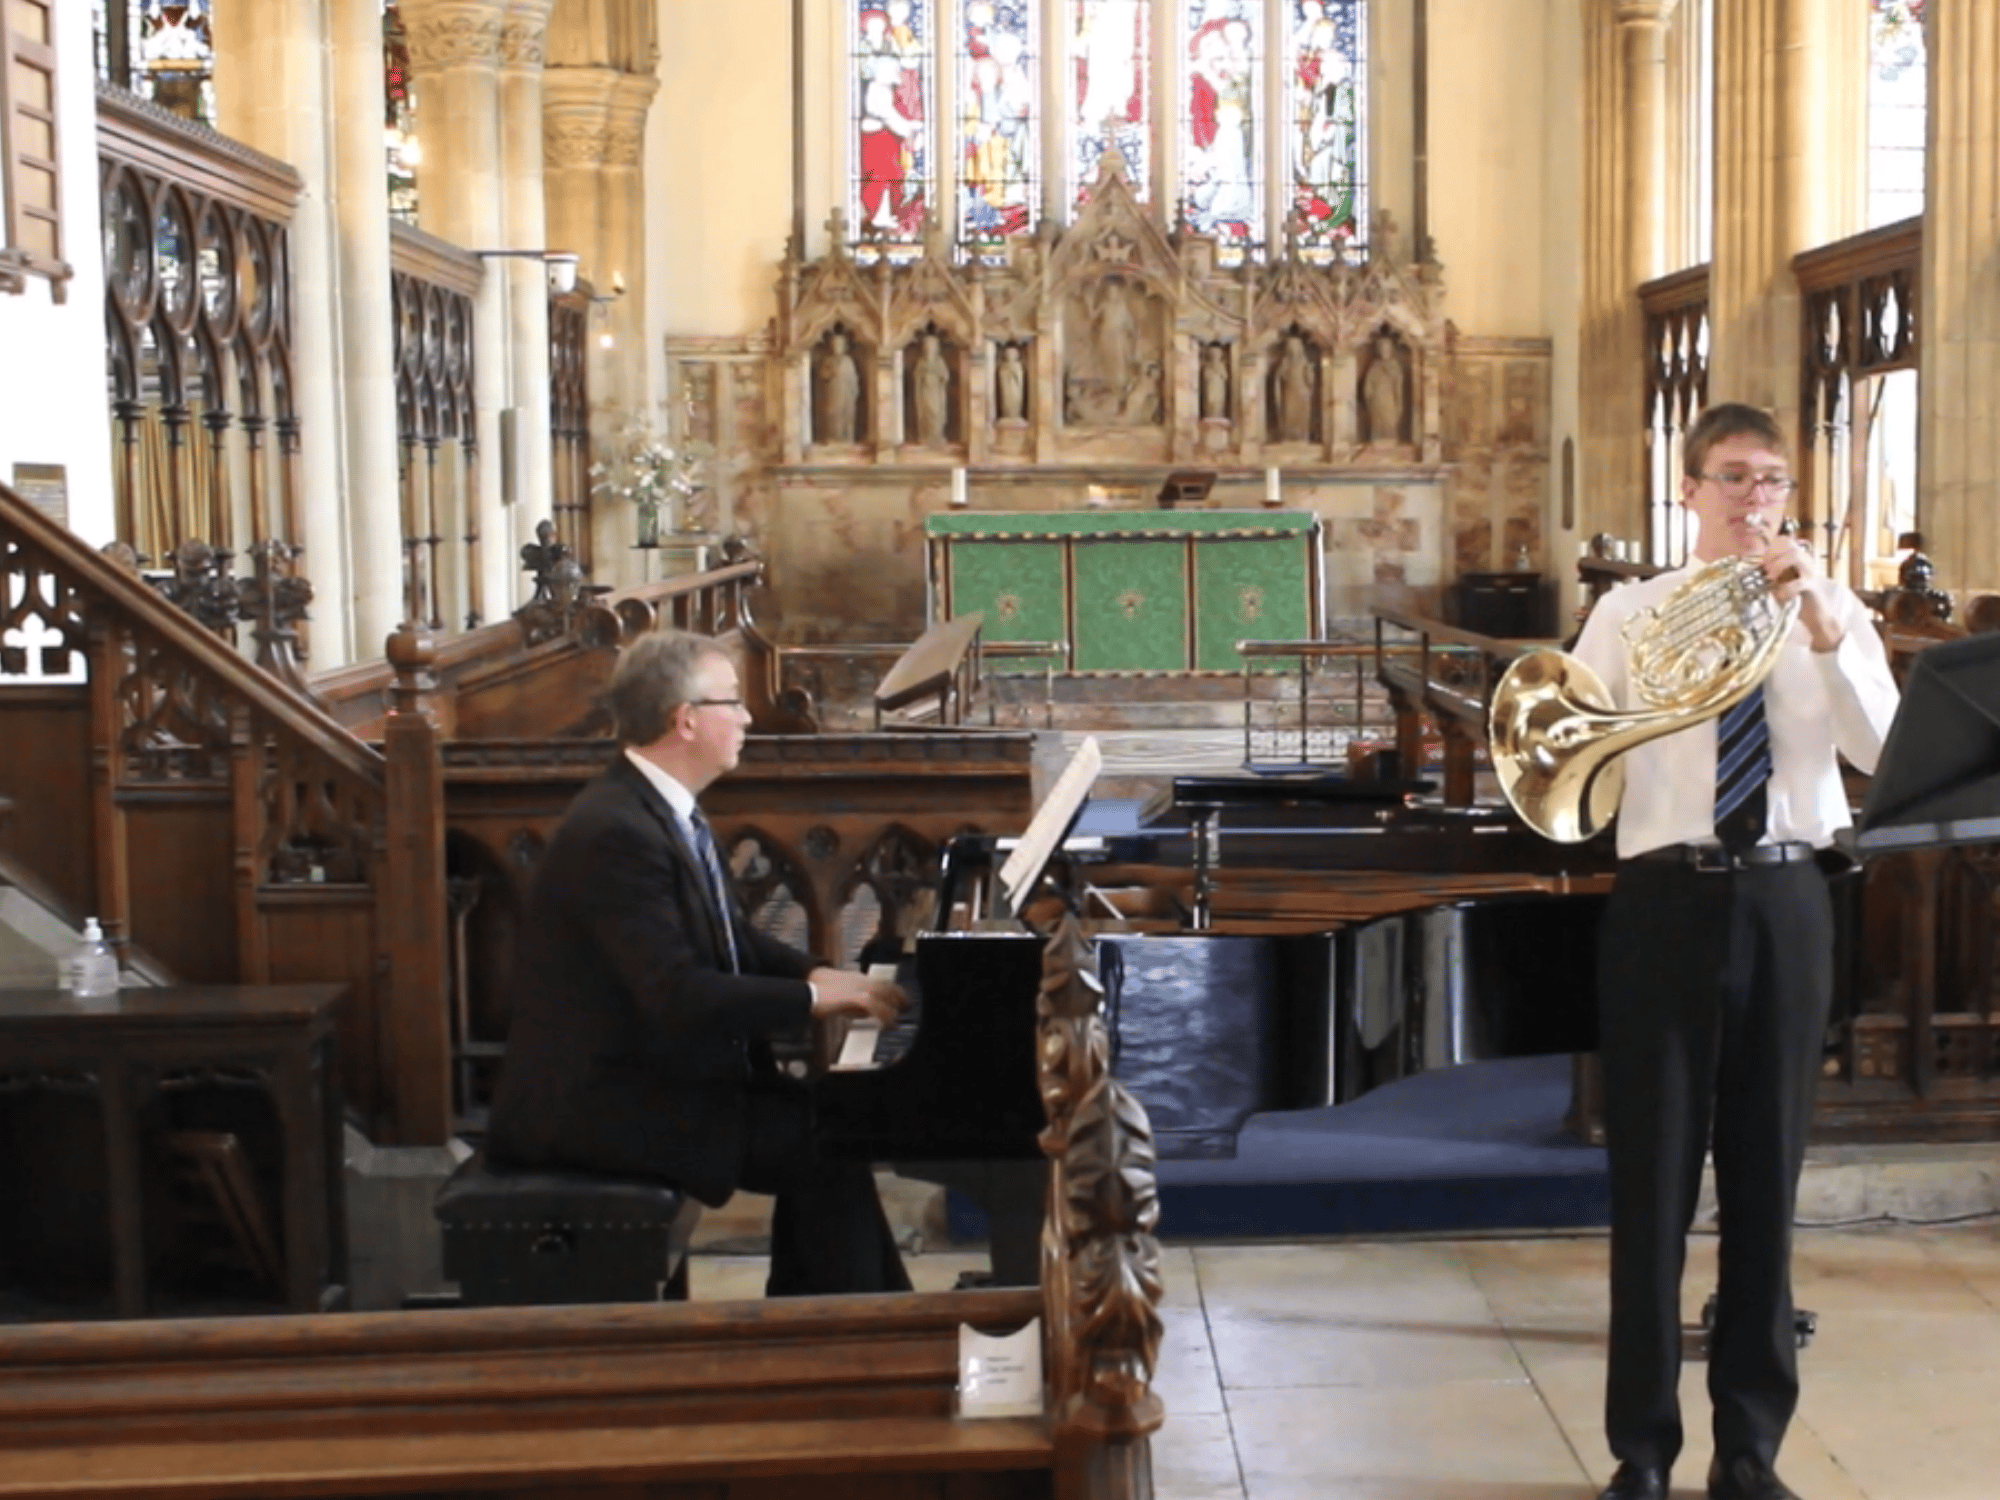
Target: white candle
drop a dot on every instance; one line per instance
(1273, 487)
(958, 487)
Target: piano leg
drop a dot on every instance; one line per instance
(1014, 1196)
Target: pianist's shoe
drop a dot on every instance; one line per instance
(1636, 1482)
(1746, 1477)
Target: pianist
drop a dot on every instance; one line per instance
(644, 1001)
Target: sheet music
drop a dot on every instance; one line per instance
(1051, 821)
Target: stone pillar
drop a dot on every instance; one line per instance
(522, 37)
(593, 131)
(454, 65)
(1624, 114)
(1761, 203)
(367, 328)
(270, 93)
(1958, 461)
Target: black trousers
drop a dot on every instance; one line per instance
(1713, 991)
(828, 1231)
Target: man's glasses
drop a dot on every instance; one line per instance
(715, 703)
(1737, 484)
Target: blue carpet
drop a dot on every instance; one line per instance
(1469, 1148)
(1462, 1149)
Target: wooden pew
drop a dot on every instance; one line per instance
(809, 1397)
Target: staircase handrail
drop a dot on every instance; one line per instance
(93, 574)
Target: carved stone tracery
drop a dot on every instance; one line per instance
(1113, 316)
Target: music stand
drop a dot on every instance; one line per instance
(1050, 826)
(1938, 779)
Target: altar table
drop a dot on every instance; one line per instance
(1131, 591)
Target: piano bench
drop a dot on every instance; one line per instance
(534, 1237)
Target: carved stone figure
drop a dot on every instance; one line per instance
(1142, 399)
(1012, 381)
(1294, 380)
(1382, 393)
(931, 383)
(1214, 382)
(840, 391)
(1116, 335)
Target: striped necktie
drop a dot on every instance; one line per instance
(1742, 767)
(718, 889)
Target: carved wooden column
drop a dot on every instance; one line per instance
(1958, 461)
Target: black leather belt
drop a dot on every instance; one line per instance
(1713, 859)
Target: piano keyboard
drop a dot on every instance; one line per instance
(869, 1044)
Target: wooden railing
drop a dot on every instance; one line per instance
(1447, 675)
(226, 822)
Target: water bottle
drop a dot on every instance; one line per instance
(92, 971)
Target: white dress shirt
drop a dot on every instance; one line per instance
(1815, 702)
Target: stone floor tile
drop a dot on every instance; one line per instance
(1403, 1442)
(1375, 1280)
(1920, 1437)
(1870, 1269)
(1194, 1458)
(1266, 1350)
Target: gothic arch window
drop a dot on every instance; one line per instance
(1251, 114)
(1897, 68)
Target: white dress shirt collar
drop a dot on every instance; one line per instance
(679, 798)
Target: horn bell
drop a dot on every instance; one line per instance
(1548, 730)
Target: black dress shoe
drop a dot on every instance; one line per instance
(1636, 1482)
(1746, 1478)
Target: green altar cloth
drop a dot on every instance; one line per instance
(1131, 591)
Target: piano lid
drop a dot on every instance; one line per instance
(1289, 801)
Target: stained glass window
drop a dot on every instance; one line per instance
(890, 72)
(163, 50)
(1222, 127)
(1109, 50)
(399, 125)
(1896, 72)
(999, 148)
(1326, 79)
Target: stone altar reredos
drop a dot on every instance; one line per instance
(1111, 316)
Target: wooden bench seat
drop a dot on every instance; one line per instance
(516, 1398)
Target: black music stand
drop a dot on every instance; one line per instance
(1938, 779)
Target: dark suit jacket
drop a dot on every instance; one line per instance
(632, 1047)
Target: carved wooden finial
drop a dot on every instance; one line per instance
(836, 233)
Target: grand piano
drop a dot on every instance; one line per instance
(1233, 1015)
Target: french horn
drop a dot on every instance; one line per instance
(1554, 734)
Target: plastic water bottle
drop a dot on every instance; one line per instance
(92, 971)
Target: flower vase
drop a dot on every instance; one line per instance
(649, 523)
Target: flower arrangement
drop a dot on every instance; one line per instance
(651, 474)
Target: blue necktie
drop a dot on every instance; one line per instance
(718, 889)
(1742, 767)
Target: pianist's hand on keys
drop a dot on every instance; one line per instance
(864, 1034)
(842, 992)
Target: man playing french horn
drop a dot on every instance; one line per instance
(1715, 969)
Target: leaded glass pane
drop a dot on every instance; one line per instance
(1222, 127)
(1326, 77)
(890, 76)
(399, 125)
(175, 67)
(999, 150)
(1896, 69)
(1109, 50)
